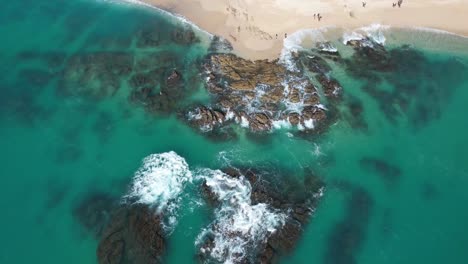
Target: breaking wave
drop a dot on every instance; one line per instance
(159, 183)
(375, 32)
(298, 41)
(239, 226)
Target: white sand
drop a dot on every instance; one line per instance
(252, 25)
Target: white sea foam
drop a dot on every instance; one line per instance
(230, 115)
(244, 122)
(309, 123)
(159, 183)
(375, 32)
(349, 36)
(283, 123)
(239, 226)
(194, 115)
(327, 47)
(297, 41)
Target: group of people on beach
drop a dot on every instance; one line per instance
(318, 16)
(399, 3)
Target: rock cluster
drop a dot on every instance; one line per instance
(297, 200)
(262, 94)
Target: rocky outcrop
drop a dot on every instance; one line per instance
(262, 94)
(206, 118)
(246, 75)
(296, 200)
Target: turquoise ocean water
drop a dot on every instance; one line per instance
(396, 176)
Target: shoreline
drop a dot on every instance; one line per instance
(258, 30)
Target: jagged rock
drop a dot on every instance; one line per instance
(259, 122)
(205, 118)
(294, 119)
(298, 208)
(294, 96)
(134, 235)
(244, 74)
(313, 113)
(262, 92)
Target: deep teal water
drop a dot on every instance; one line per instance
(61, 143)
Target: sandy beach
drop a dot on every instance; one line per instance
(256, 28)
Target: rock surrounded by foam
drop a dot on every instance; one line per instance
(262, 94)
(137, 229)
(253, 222)
(239, 225)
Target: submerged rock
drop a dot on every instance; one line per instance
(95, 75)
(404, 81)
(348, 236)
(184, 36)
(134, 235)
(94, 212)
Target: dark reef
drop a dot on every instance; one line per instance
(349, 234)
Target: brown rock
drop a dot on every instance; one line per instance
(294, 119)
(259, 122)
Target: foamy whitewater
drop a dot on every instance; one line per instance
(375, 32)
(159, 183)
(239, 227)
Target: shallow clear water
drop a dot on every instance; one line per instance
(60, 146)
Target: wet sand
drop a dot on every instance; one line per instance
(256, 29)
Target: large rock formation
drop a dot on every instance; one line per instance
(263, 95)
